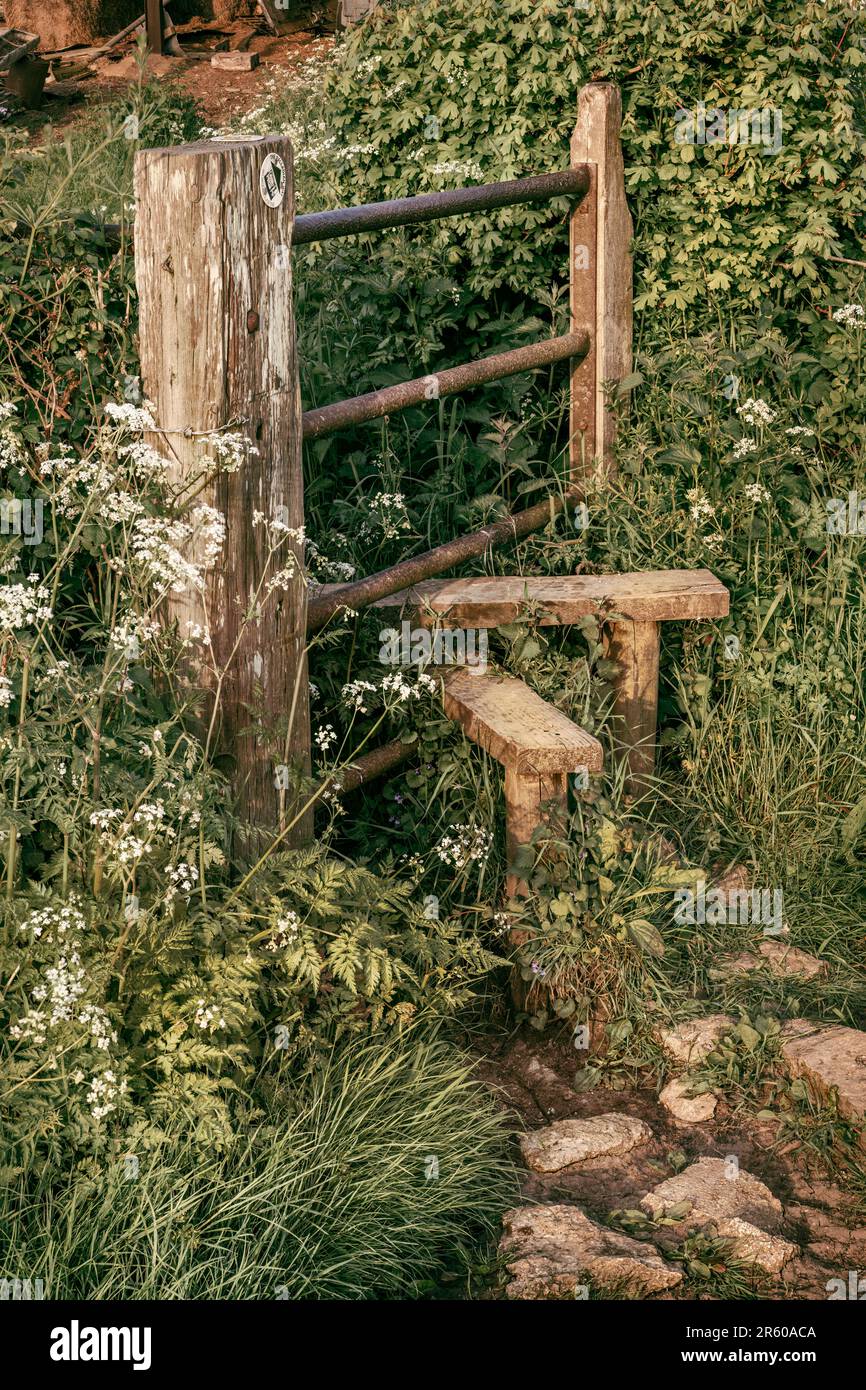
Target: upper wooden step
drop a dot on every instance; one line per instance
(516, 726)
(657, 595)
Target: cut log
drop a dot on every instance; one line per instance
(657, 596)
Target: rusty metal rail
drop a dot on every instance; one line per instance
(372, 406)
(430, 207)
(329, 599)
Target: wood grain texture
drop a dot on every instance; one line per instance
(660, 595)
(601, 280)
(517, 727)
(217, 341)
(634, 646)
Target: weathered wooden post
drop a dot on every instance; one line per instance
(213, 238)
(600, 277)
(601, 298)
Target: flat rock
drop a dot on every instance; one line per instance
(751, 1244)
(715, 1196)
(550, 1250)
(683, 1108)
(578, 1140)
(829, 1058)
(778, 957)
(690, 1042)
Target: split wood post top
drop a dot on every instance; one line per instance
(213, 239)
(600, 277)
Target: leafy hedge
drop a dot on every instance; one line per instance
(490, 87)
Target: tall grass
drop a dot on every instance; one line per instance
(387, 1169)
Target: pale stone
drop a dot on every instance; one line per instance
(690, 1042)
(828, 1058)
(755, 1246)
(684, 1108)
(551, 1250)
(715, 1196)
(577, 1141)
(778, 957)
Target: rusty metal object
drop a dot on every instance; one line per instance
(357, 409)
(429, 207)
(365, 768)
(331, 598)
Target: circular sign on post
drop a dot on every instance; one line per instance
(272, 180)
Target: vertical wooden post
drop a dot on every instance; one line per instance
(600, 277)
(634, 646)
(525, 795)
(213, 238)
(153, 25)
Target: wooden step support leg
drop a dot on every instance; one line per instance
(538, 747)
(634, 646)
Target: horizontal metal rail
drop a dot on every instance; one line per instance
(364, 769)
(358, 409)
(333, 598)
(405, 212)
(449, 202)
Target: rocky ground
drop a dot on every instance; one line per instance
(677, 1171)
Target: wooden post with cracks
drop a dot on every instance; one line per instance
(213, 238)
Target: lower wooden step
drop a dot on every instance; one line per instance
(515, 726)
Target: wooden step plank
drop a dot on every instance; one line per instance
(655, 596)
(517, 727)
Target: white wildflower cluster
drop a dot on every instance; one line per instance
(799, 429)
(157, 545)
(131, 634)
(143, 460)
(399, 691)
(756, 412)
(389, 510)
(209, 1017)
(59, 1000)
(23, 604)
(701, 508)
(132, 419)
(357, 693)
(11, 448)
(464, 845)
(104, 1092)
(849, 315)
(757, 493)
(182, 879)
(743, 447)
(127, 839)
(326, 737)
(231, 451)
(340, 571)
(6, 692)
(285, 932)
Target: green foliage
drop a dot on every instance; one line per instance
(385, 1171)
(427, 93)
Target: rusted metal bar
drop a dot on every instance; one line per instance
(331, 598)
(365, 768)
(430, 207)
(357, 409)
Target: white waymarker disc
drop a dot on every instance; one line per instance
(272, 180)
